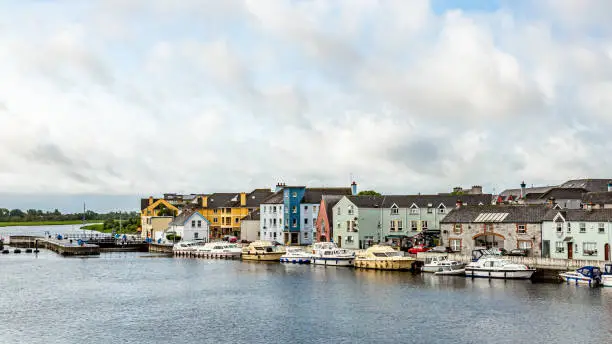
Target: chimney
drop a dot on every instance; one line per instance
(354, 188)
(279, 187)
(551, 202)
(523, 191)
(589, 206)
(476, 190)
(243, 199)
(610, 186)
(459, 204)
(150, 200)
(204, 201)
(457, 189)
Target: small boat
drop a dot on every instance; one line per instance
(441, 263)
(327, 253)
(218, 249)
(383, 257)
(263, 251)
(451, 270)
(497, 267)
(606, 277)
(296, 255)
(589, 275)
(184, 246)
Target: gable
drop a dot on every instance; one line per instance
(196, 216)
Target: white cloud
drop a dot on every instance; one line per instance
(195, 96)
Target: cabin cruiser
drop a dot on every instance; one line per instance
(383, 257)
(590, 275)
(263, 251)
(606, 277)
(451, 267)
(497, 267)
(327, 253)
(185, 246)
(441, 263)
(219, 249)
(296, 255)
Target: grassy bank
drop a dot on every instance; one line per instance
(126, 227)
(45, 223)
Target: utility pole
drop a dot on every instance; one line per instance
(84, 220)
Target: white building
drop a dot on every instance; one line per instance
(190, 225)
(271, 218)
(250, 226)
(577, 234)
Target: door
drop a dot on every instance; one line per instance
(546, 249)
(607, 252)
(570, 250)
(339, 243)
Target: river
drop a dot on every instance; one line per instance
(144, 298)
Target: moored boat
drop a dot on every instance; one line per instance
(219, 249)
(296, 255)
(263, 251)
(588, 275)
(184, 246)
(606, 277)
(496, 267)
(383, 257)
(440, 264)
(327, 253)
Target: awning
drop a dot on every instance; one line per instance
(568, 239)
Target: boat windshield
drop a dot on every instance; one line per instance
(608, 269)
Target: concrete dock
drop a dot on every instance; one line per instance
(63, 247)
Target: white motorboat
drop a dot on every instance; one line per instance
(220, 249)
(588, 275)
(327, 253)
(440, 264)
(185, 246)
(497, 267)
(296, 255)
(606, 277)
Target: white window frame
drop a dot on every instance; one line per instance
(455, 245)
(601, 228)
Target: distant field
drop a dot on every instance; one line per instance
(46, 223)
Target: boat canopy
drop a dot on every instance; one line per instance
(589, 271)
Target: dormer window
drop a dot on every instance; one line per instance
(350, 210)
(394, 210)
(441, 209)
(414, 210)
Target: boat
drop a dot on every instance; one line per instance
(451, 268)
(606, 277)
(588, 275)
(219, 249)
(441, 263)
(497, 267)
(263, 251)
(184, 246)
(383, 257)
(327, 253)
(296, 255)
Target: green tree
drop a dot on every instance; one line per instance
(17, 213)
(368, 193)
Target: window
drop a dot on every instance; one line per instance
(582, 227)
(589, 248)
(236, 220)
(215, 220)
(441, 210)
(193, 223)
(601, 228)
(274, 209)
(429, 210)
(273, 222)
(294, 223)
(195, 235)
(489, 227)
(414, 211)
(314, 209)
(264, 208)
(349, 238)
(214, 211)
(525, 244)
(457, 228)
(339, 212)
(559, 227)
(338, 225)
(274, 235)
(305, 208)
(305, 221)
(414, 225)
(424, 225)
(399, 225)
(265, 222)
(350, 210)
(305, 235)
(560, 246)
(394, 210)
(294, 194)
(259, 234)
(199, 223)
(455, 245)
(392, 225)
(521, 229)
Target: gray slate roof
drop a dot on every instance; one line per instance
(516, 213)
(275, 198)
(564, 193)
(311, 195)
(592, 185)
(597, 197)
(594, 215)
(182, 217)
(253, 216)
(421, 201)
(330, 202)
(256, 196)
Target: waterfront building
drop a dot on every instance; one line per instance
(501, 226)
(324, 225)
(356, 221)
(249, 226)
(290, 214)
(155, 215)
(568, 195)
(190, 225)
(577, 234)
(225, 211)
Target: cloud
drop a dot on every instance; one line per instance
(144, 97)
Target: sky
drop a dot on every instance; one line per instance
(107, 101)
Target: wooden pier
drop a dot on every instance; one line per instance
(63, 247)
(161, 248)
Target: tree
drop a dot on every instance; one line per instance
(368, 193)
(17, 213)
(4, 212)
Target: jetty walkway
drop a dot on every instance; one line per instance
(63, 247)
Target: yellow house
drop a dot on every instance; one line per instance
(225, 211)
(155, 215)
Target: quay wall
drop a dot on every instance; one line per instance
(160, 248)
(58, 246)
(534, 262)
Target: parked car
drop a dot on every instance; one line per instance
(418, 248)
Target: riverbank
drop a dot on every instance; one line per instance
(115, 227)
(46, 223)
